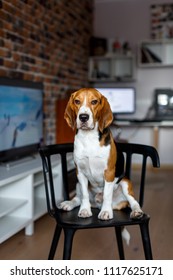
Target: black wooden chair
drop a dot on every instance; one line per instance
(70, 222)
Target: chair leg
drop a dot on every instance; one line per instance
(146, 240)
(120, 242)
(68, 241)
(54, 244)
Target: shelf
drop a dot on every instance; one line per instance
(38, 178)
(7, 205)
(112, 68)
(40, 207)
(9, 225)
(22, 195)
(156, 53)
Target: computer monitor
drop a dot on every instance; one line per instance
(122, 100)
(164, 103)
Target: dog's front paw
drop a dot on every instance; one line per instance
(84, 213)
(66, 205)
(105, 215)
(136, 214)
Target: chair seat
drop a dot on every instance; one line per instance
(120, 218)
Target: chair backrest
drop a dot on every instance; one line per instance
(47, 153)
(124, 164)
(130, 149)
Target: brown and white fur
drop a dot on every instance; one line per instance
(88, 112)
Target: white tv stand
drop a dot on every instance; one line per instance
(19, 161)
(22, 195)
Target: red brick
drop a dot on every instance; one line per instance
(10, 63)
(4, 52)
(55, 38)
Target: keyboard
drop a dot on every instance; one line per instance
(155, 119)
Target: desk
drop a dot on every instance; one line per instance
(155, 125)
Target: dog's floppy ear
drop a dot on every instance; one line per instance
(69, 114)
(105, 114)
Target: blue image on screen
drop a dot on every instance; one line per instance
(21, 117)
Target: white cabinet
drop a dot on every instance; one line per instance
(155, 53)
(112, 68)
(22, 195)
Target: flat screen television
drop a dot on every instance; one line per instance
(21, 118)
(122, 100)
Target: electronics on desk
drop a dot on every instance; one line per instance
(163, 103)
(121, 99)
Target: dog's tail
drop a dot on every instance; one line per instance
(126, 235)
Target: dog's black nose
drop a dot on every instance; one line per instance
(84, 117)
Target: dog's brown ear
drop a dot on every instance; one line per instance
(105, 114)
(69, 114)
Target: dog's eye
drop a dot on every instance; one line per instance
(94, 102)
(77, 102)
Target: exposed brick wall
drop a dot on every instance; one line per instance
(47, 41)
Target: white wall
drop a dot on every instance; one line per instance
(126, 19)
(130, 20)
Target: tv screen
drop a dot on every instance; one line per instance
(122, 100)
(21, 118)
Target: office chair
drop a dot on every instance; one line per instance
(69, 221)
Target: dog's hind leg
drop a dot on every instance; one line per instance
(68, 205)
(126, 186)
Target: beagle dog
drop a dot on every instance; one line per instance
(95, 155)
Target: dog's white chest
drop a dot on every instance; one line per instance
(91, 158)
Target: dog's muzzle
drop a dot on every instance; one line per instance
(84, 118)
(84, 121)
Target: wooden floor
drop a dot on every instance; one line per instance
(96, 244)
